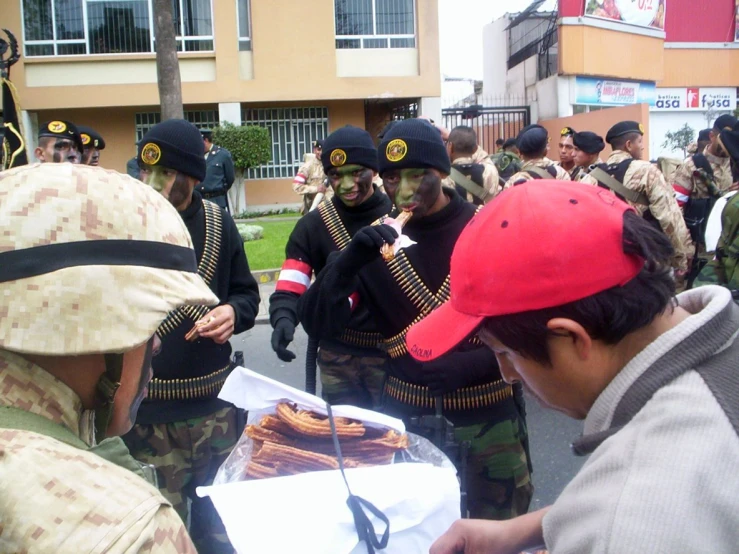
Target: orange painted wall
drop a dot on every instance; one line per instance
(705, 68)
(598, 122)
(593, 51)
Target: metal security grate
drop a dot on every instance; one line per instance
(293, 131)
(202, 119)
(375, 24)
(79, 27)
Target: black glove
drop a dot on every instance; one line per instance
(365, 247)
(458, 370)
(282, 335)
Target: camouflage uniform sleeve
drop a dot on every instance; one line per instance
(562, 174)
(665, 210)
(491, 182)
(517, 178)
(722, 270)
(587, 179)
(682, 182)
(302, 181)
(160, 532)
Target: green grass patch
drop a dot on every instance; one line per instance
(269, 252)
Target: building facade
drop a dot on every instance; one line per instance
(301, 69)
(680, 57)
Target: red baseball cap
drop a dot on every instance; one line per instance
(537, 245)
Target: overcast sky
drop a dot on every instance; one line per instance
(461, 23)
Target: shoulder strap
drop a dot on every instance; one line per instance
(717, 370)
(113, 449)
(206, 268)
(467, 184)
(538, 172)
(600, 175)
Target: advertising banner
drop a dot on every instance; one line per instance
(644, 13)
(695, 99)
(605, 92)
(736, 24)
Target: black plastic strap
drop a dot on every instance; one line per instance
(365, 530)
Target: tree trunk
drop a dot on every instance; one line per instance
(168, 67)
(234, 195)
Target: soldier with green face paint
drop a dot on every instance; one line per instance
(183, 428)
(465, 385)
(352, 367)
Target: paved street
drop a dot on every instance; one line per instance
(551, 433)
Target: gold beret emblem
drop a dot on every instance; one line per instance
(338, 157)
(57, 126)
(151, 153)
(85, 139)
(396, 150)
(641, 128)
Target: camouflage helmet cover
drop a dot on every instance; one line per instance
(90, 261)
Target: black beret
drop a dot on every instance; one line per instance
(704, 135)
(207, 133)
(624, 128)
(532, 139)
(90, 137)
(725, 121)
(511, 142)
(730, 142)
(318, 143)
(567, 132)
(61, 129)
(589, 142)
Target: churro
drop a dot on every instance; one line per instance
(316, 425)
(387, 250)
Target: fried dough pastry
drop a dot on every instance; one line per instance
(387, 250)
(295, 441)
(312, 424)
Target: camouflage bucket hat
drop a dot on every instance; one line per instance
(90, 261)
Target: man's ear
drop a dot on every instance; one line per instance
(39, 153)
(581, 341)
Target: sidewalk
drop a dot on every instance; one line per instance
(265, 291)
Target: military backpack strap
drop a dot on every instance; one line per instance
(605, 178)
(468, 184)
(113, 449)
(206, 268)
(539, 173)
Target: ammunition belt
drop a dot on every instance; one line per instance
(333, 223)
(188, 389)
(362, 339)
(395, 346)
(206, 269)
(468, 398)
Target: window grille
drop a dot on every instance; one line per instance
(375, 24)
(202, 119)
(244, 17)
(293, 131)
(79, 27)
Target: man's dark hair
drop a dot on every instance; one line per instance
(608, 316)
(464, 140)
(510, 143)
(500, 142)
(619, 142)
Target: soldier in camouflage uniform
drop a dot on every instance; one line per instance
(182, 427)
(76, 339)
(588, 147)
(724, 268)
(464, 154)
(464, 386)
(92, 144)
(707, 173)
(310, 179)
(652, 196)
(533, 144)
(567, 152)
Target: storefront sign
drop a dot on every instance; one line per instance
(695, 98)
(644, 13)
(603, 92)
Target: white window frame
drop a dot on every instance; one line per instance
(290, 120)
(202, 119)
(374, 36)
(246, 40)
(181, 38)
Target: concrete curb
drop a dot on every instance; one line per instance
(266, 276)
